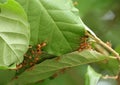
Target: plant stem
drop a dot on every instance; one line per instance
(110, 77)
(104, 45)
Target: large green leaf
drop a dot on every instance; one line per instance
(92, 77)
(55, 22)
(14, 34)
(48, 67)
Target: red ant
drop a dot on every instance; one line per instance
(84, 44)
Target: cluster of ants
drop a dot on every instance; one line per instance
(32, 56)
(84, 44)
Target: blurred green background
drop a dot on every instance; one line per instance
(103, 17)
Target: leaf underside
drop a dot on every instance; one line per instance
(14, 34)
(92, 77)
(49, 67)
(55, 22)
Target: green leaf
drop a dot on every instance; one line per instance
(14, 34)
(55, 22)
(107, 67)
(6, 76)
(49, 67)
(92, 77)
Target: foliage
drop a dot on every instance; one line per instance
(56, 41)
(14, 34)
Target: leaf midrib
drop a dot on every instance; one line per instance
(54, 24)
(69, 65)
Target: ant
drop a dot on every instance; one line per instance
(84, 44)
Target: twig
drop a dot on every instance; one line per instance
(104, 45)
(110, 77)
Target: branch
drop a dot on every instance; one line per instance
(110, 77)
(99, 41)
